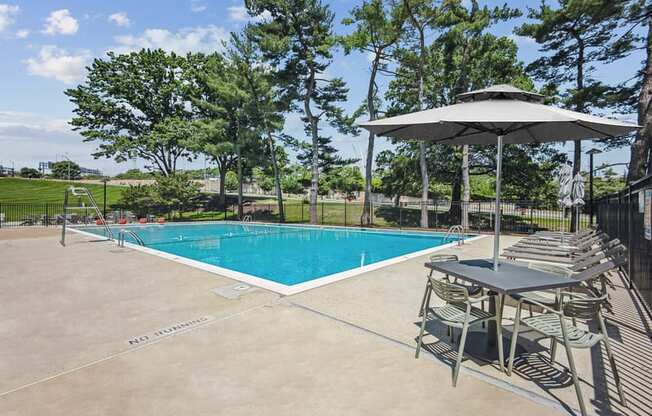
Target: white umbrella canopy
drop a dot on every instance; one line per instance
(498, 114)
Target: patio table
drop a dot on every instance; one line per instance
(509, 278)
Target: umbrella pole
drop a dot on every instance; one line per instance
(499, 167)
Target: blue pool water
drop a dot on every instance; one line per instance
(284, 254)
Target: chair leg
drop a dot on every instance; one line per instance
(460, 353)
(571, 364)
(512, 347)
(499, 332)
(426, 298)
(612, 362)
(423, 327)
(553, 349)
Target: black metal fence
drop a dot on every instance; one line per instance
(622, 216)
(517, 216)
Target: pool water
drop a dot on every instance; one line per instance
(283, 254)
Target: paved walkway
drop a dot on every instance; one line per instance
(91, 329)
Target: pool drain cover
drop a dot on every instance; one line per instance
(233, 291)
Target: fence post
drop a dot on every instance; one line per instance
(1, 215)
(436, 209)
(322, 212)
(630, 217)
(400, 215)
(345, 212)
(47, 214)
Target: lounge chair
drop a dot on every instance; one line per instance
(562, 251)
(557, 257)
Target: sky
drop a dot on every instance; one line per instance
(47, 44)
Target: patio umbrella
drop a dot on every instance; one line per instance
(499, 114)
(565, 200)
(578, 196)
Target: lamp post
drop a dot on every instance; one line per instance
(591, 153)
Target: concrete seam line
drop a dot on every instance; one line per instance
(129, 350)
(519, 391)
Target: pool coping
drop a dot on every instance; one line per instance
(280, 288)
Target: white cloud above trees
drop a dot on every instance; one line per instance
(7, 14)
(60, 22)
(195, 39)
(120, 19)
(56, 63)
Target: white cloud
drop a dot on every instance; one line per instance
(54, 62)
(197, 39)
(60, 22)
(197, 6)
(238, 14)
(22, 34)
(7, 12)
(121, 19)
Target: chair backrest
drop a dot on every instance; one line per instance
(588, 261)
(599, 269)
(584, 308)
(443, 257)
(449, 292)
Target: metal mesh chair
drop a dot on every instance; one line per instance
(559, 326)
(458, 312)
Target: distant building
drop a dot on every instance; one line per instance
(46, 167)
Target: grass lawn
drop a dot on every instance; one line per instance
(41, 191)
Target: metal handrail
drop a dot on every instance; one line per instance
(247, 218)
(80, 191)
(121, 237)
(456, 229)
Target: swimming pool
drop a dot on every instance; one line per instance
(283, 258)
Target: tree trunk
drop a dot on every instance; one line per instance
(314, 131)
(577, 156)
(466, 196)
(277, 178)
(639, 161)
(222, 198)
(456, 195)
(240, 210)
(365, 219)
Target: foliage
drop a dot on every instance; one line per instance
(65, 169)
(125, 103)
(346, 179)
(140, 199)
(231, 181)
(134, 174)
(29, 173)
(176, 193)
(297, 40)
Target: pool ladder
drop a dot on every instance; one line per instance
(123, 233)
(455, 230)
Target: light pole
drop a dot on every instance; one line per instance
(591, 153)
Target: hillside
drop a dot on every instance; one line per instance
(42, 191)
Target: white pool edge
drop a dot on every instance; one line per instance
(278, 287)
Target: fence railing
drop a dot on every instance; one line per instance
(622, 216)
(517, 216)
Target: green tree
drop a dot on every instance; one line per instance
(123, 101)
(639, 164)
(298, 39)
(346, 179)
(574, 37)
(140, 199)
(29, 173)
(378, 28)
(65, 169)
(266, 110)
(176, 193)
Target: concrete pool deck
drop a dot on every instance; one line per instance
(94, 329)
